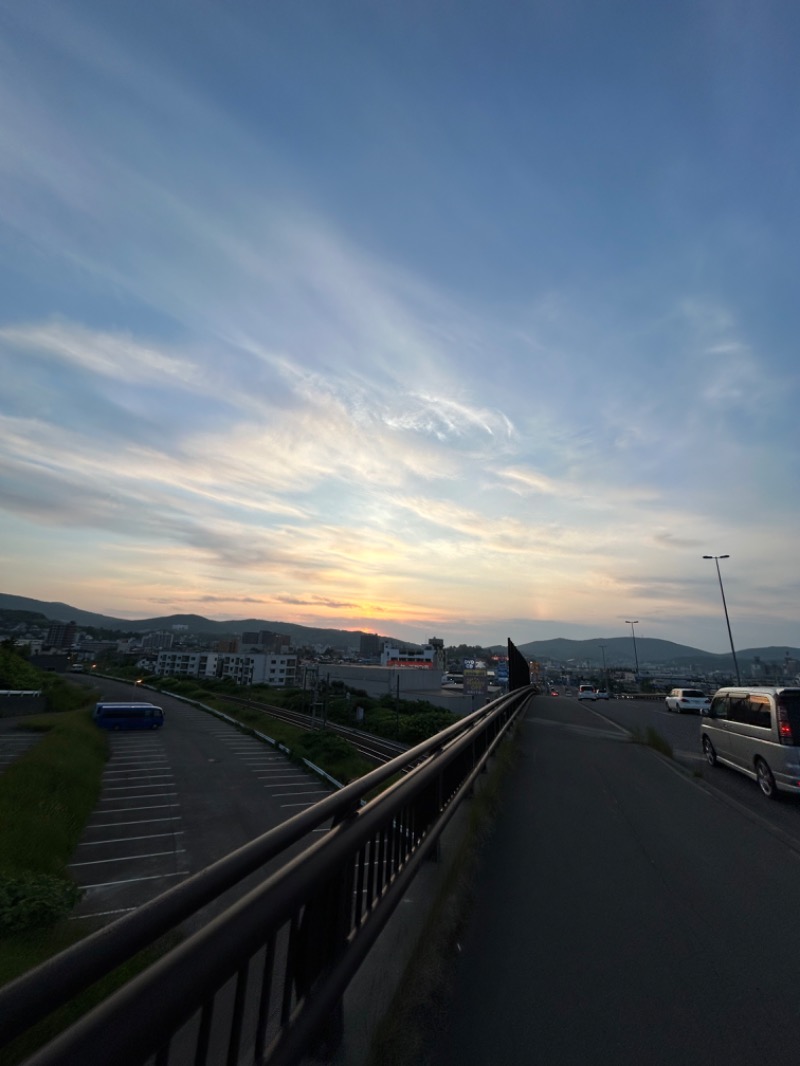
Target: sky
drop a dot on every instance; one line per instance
(476, 320)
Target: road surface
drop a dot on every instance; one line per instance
(625, 913)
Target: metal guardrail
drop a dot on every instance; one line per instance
(263, 982)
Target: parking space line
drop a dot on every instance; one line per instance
(133, 880)
(151, 795)
(313, 792)
(121, 788)
(284, 774)
(137, 821)
(147, 807)
(100, 914)
(129, 858)
(124, 840)
(134, 770)
(117, 759)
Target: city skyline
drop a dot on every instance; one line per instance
(477, 322)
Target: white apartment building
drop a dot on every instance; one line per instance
(243, 669)
(201, 664)
(259, 669)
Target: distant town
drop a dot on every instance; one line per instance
(370, 662)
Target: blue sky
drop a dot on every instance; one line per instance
(469, 320)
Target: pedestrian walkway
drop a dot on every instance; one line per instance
(624, 914)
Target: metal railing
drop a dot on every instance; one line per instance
(263, 981)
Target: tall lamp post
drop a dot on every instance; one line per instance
(602, 648)
(716, 559)
(633, 634)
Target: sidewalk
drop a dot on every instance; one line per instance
(624, 914)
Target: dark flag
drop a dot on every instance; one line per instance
(519, 672)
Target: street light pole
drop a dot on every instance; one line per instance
(602, 648)
(633, 634)
(716, 559)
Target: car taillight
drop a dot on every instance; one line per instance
(784, 729)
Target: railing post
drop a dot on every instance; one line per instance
(322, 936)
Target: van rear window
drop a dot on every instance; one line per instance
(790, 702)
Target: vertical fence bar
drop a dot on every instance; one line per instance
(359, 889)
(288, 977)
(204, 1033)
(371, 873)
(264, 999)
(235, 1039)
(381, 872)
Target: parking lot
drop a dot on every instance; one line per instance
(176, 799)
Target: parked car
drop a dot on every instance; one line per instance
(553, 691)
(756, 730)
(688, 700)
(586, 692)
(601, 694)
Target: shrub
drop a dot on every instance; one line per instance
(62, 695)
(32, 901)
(16, 673)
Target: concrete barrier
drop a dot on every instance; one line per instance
(16, 703)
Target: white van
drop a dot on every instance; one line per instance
(756, 729)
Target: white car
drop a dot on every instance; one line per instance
(601, 694)
(586, 692)
(688, 700)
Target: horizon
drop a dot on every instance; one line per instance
(428, 320)
(492, 644)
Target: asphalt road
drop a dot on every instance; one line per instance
(625, 912)
(683, 733)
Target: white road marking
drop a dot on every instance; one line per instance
(125, 840)
(132, 880)
(137, 821)
(129, 858)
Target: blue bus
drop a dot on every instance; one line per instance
(128, 716)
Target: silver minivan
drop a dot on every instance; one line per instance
(755, 729)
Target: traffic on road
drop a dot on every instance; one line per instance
(683, 734)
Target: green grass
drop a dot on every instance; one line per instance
(329, 752)
(47, 795)
(653, 739)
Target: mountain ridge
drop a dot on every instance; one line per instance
(63, 612)
(618, 650)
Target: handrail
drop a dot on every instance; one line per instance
(405, 816)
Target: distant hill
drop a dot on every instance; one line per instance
(195, 623)
(618, 650)
(650, 651)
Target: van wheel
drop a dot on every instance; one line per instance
(708, 751)
(766, 782)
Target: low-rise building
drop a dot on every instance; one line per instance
(430, 656)
(259, 669)
(243, 669)
(202, 664)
